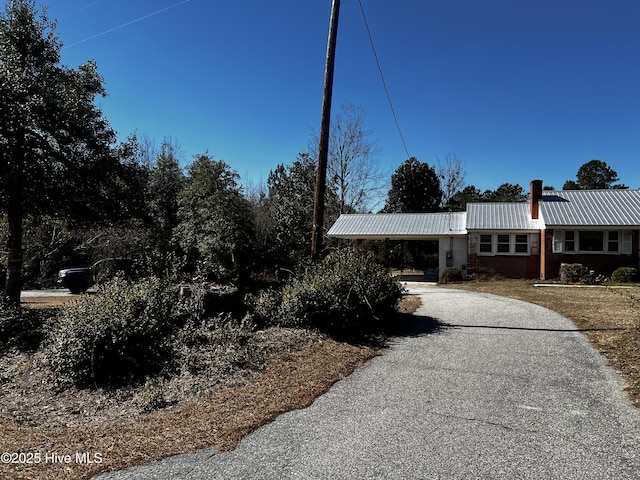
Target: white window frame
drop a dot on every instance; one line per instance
(482, 241)
(623, 242)
(497, 239)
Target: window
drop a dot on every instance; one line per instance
(522, 243)
(503, 244)
(612, 244)
(569, 241)
(591, 241)
(486, 244)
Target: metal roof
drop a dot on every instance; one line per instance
(591, 208)
(500, 216)
(580, 208)
(398, 225)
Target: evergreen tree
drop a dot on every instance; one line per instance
(415, 187)
(594, 175)
(56, 154)
(215, 228)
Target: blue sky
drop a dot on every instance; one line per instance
(516, 89)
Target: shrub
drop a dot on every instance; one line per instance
(21, 328)
(574, 273)
(344, 293)
(219, 345)
(265, 306)
(624, 275)
(451, 274)
(121, 334)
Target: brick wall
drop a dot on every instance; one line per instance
(507, 266)
(601, 264)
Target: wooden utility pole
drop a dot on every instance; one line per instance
(323, 149)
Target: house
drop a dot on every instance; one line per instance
(598, 228)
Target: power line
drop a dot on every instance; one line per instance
(81, 9)
(384, 83)
(126, 24)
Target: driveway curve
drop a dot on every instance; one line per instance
(480, 387)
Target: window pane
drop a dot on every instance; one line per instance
(612, 245)
(503, 248)
(503, 243)
(485, 243)
(522, 243)
(569, 241)
(522, 248)
(591, 241)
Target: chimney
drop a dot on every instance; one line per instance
(535, 194)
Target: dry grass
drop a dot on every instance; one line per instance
(608, 316)
(46, 302)
(289, 382)
(108, 424)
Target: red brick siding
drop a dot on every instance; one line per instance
(509, 266)
(601, 264)
(504, 265)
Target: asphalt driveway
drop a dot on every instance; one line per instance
(481, 387)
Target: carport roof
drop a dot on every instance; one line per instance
(397, 226)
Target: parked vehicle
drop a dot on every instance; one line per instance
(77, 280)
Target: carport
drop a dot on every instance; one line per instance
(448, 228)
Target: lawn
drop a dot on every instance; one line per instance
(608, 316)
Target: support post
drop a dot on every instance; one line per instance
(323, 149)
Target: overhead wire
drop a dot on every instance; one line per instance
(384, 83)
(157, 12)
(80, 9)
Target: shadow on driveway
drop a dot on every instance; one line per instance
(412, 325)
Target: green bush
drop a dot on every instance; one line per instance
(624, 275)
(346, 292)
(450, 274)
(119, 335)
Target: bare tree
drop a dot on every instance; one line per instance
(452, 177)
(149, 150)
(352, 166)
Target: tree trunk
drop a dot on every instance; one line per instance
(13, 285)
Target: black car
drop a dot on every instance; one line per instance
(77, 280)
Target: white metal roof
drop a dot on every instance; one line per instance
(500, 216)
(398, 225)
(591, 208)
(580, 208)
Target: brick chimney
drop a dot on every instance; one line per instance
(535, 194)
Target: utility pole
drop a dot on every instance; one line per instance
(323, 149)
